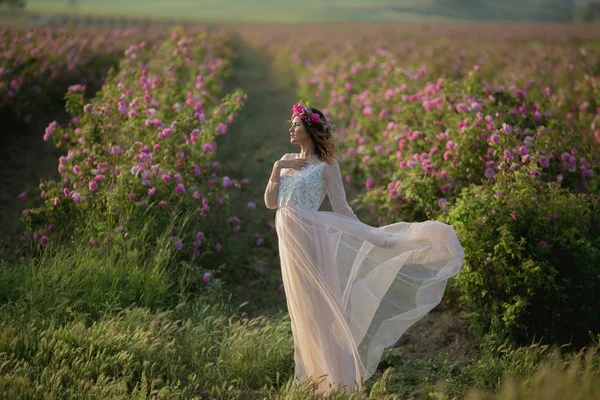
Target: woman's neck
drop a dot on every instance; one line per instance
(307, 151)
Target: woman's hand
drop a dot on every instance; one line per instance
(295, 163)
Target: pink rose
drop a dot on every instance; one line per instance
(297, 109)
(314, 117)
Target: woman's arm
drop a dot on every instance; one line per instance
(335, 190)
(272, 189)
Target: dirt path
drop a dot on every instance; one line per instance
(257, 138)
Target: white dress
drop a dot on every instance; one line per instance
(351, 289)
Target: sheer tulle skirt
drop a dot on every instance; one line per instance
(352, 290)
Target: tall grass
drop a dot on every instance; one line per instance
(76, 323)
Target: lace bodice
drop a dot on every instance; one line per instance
(302, 188)
(306, 188)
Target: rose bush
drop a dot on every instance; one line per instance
(429, 125)
(38, 65)
(140, 163)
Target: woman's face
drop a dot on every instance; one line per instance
(298, 134)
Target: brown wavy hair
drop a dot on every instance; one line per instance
(325, 147)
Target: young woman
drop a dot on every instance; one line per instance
(351, 289)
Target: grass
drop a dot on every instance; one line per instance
(77, 324)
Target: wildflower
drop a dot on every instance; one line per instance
(222, 128)
(178, 242)
(442, 203)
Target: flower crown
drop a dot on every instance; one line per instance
(302, 110)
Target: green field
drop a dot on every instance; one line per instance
(315, 10)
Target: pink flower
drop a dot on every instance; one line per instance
(56, 201)
(50, 130)
(44, 240)
(541, 244)
(99, 178)
(369, 183)
(151, 191)
(76, 169)
(206, 147)
(77, 198)
(442, 203)
(218, 247)
(180, 188)
(222, 128)
(252, 205)
(131, 196)
(76, 88)
(178, 242)
(314, 117)
(22, 197)
(93, 186)
(297, 108)
(543, 162)
(523, 150)
(206, 277)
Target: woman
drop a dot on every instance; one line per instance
(351, 289)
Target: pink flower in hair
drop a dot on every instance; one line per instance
(314, 117)
(298, 109)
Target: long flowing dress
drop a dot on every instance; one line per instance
(351, 289)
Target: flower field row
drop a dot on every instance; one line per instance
(141, 155)
(490, 131)
(38, 65)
